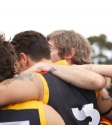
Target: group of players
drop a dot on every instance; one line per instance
(51, 81)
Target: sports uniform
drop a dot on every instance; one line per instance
(76, 106)
(104, 121)
(26, 113)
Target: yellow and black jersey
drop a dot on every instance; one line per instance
(26, 113)
(104, 121)
(76, 106)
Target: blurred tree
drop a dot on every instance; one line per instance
(102, 53)
(101, 49)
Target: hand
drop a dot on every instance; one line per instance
(39, 67)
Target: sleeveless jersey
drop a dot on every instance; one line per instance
(105, 121)
(76, 106)
(26, 113)
(67, 100)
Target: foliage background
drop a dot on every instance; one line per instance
(101, 49)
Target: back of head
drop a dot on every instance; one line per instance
(33, 44)
(64, 40)
(7, 59)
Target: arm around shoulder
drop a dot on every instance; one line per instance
(80, 77)
(25, 87)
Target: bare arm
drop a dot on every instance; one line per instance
(52, 116)
(104, 103)
(103, 100)
(105, 70)
(74, 74)
(23, 88)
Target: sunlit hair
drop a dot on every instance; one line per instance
(64, 40)
(7, 59)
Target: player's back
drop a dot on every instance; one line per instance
(67, 99)
(26, 113)
(30, 113)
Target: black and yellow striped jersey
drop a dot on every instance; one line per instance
(26, 113)
(76, 106)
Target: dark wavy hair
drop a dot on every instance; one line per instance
(7, 59)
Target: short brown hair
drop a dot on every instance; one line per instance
(32, 43)
(65, 39)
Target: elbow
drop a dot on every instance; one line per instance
(100, 87)
(100, 83)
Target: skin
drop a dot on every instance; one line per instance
(27, 83)
(74, 74)
(54, 52)
(52, 117)
(100, 69)
(103, 97)
(30, 85)
(11, 88)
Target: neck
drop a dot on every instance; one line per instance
(69, 62)
(43, 60)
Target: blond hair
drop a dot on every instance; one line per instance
(64, 40)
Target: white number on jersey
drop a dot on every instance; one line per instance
(87, 110)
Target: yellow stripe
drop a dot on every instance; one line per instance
(46, 89)
(96, 92)
(62, 62)
(42, 113)
(30, 105)
(23, 105)
(105, 123)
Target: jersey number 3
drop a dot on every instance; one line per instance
(87, 111)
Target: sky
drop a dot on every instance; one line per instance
(88, 17)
